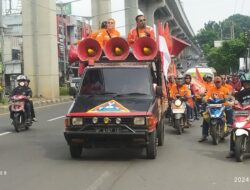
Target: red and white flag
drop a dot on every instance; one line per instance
(163, 48)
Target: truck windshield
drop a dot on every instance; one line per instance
(118, 81)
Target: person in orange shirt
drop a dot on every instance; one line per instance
(141, 30)
(170, 84)
(103, 27)
(107, 34)
(224, 84)
(182, 90)
(218, 91)
(208, 81)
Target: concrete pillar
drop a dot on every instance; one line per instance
(101, 10)
(40, 47)
(131, 11)
(148, 7)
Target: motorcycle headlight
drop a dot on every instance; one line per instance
(177, 102)
(77, 121)
(240, 124)
(139, 121)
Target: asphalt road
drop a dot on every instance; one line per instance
(39, 159)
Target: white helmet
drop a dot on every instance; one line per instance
(21, 78)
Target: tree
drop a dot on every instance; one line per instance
(234, 32)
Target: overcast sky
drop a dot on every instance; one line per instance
(202, 11)
(198, 11)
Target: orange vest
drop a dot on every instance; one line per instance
(183, 91)
(105, 35)
(136, 33)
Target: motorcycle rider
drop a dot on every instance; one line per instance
(21, 89)
(235, 83)
(224, 84)
(190, 85)
(243, 97)
(208, 81)
(33, 116)
(217, 92)
(181, 90)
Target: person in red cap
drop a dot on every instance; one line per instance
(141, 30)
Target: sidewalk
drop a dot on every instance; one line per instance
(38, 102)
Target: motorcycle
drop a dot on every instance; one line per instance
(240, 135)
(216, 118)
(19, 116)
(179, 114)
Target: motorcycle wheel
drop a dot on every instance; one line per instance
(75, 151)
(17, 122)
(152, 145)
(177, 123)
(239, 148)
(215, 134)
(161, 132)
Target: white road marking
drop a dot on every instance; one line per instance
(6, 133)
(53, 119)
(98, 182)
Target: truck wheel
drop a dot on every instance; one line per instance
(161, 132)
(75, 151)
(239, 148)
(151, 146)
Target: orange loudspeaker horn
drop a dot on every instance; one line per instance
(116, 49)
(72, 56)
(89, 49)
(145, 48)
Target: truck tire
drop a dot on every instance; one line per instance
(161, 132)
(151, 146)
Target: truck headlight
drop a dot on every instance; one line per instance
(139, 121)
(77, 121)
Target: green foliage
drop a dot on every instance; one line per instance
(3, 100)
(233, 47)
(64, 90)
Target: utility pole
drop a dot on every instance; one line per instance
(232, 31)
(2, 49)
(62, 29)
